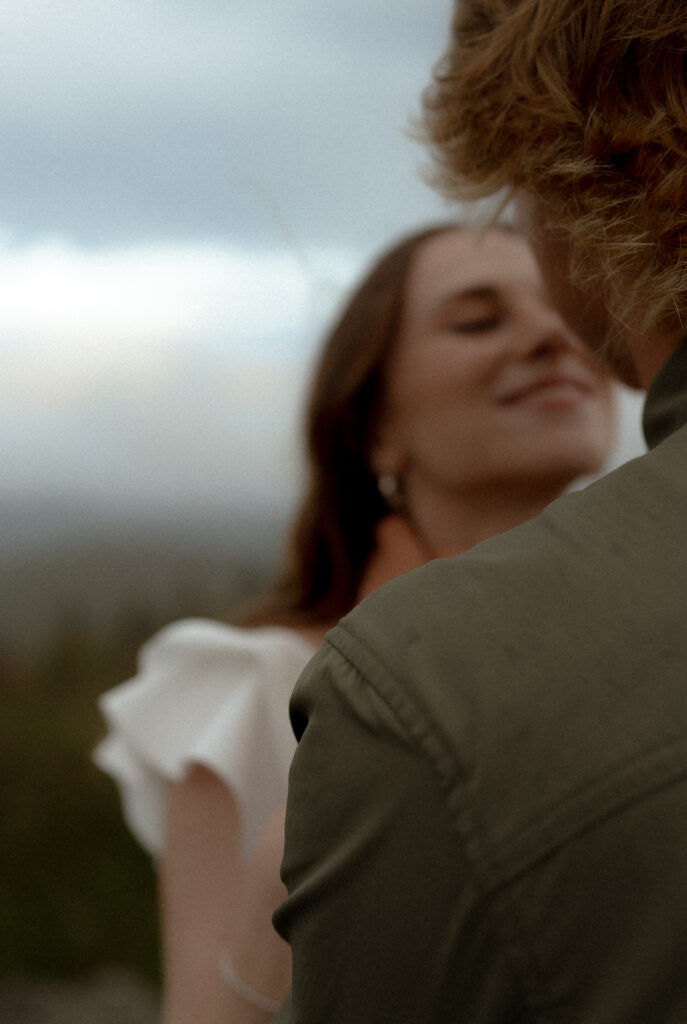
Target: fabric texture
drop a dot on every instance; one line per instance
(487, 815)
(208, 694)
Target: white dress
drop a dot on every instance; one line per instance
(209, 694)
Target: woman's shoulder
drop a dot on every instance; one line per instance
(199, 667)
(205, 693)
(199, 664)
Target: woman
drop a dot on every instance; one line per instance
(450, 403)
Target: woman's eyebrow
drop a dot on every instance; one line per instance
(484, 292)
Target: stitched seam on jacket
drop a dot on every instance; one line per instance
(496, 864)
(432, 746)
(490, 876)
(620, 788)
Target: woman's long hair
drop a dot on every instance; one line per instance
(333, 531)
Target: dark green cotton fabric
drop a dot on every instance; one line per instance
(487, 817)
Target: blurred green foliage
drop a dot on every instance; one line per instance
(76, 891)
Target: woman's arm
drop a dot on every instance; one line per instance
(260, 957)
(211, 904)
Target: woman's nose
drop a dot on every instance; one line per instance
(548, 334)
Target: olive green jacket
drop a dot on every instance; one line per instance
(487, 816)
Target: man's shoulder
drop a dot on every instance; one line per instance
(517, 595)
(541, 582)
(547, 662)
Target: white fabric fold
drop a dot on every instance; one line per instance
(209, 694)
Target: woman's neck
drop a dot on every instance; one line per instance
(448, 524)
(437, 525)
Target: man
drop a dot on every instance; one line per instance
(487, 817)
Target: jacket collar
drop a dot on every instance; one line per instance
(665, 409)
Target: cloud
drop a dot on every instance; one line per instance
(72, 320)
(124, 119)
(157, 376)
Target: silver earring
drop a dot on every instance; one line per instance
(389, 486)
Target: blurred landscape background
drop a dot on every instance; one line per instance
(187, 189)
(77, 895)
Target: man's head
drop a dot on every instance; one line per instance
(582, 106)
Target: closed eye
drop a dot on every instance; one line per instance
(480, 325)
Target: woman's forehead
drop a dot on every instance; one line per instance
(465, 262)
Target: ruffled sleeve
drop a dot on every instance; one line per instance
(207, 694)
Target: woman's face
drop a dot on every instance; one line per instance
(487, 388)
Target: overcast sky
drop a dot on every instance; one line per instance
(186, 186)
(130, 120)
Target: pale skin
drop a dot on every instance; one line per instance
(199, 883)
(492, 408)
(211, 902)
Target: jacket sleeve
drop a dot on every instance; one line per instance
(378, 891)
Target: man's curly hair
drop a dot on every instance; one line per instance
(583, 104)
